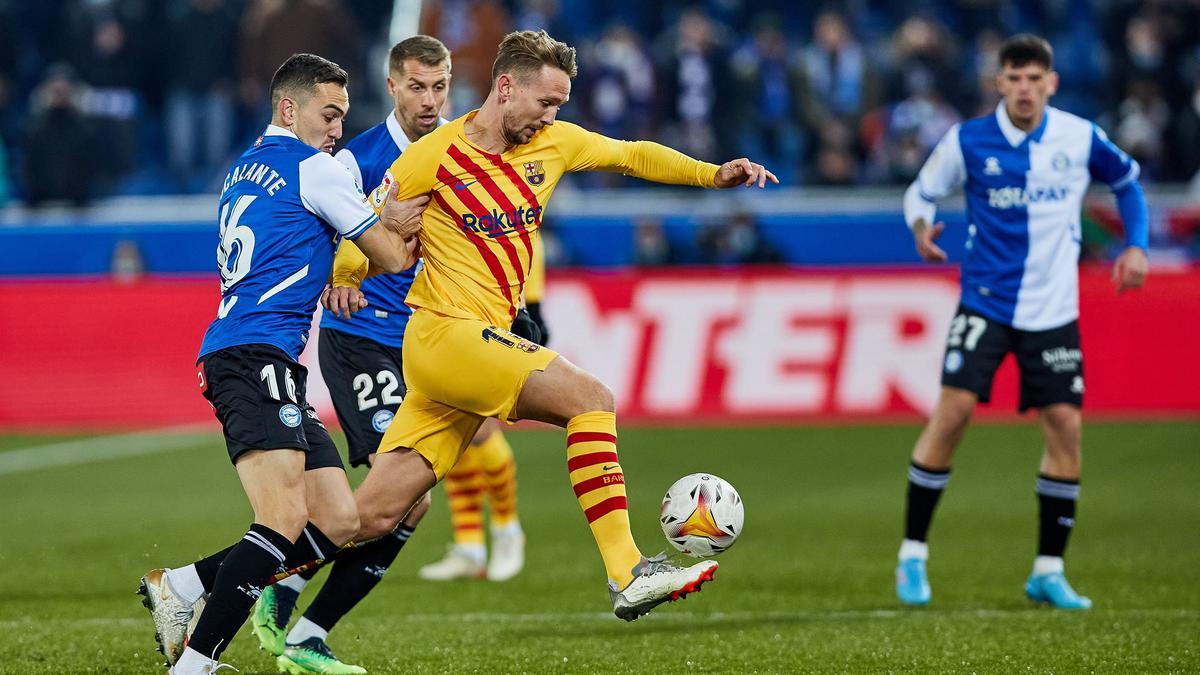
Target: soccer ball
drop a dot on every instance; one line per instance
(702, 515)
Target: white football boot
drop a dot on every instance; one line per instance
(172, 616)
(508, 553)
(456, 564)
(656, 581)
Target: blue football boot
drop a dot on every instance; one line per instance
(912, 586)
(1054, 590)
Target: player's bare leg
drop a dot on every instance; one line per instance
(283, 496)
(1062, 429)
(396, 482)
(331, 505)
(567, 396)
(354, 574)
(935, 446)
(332, 520)
(274, 484)
(927, 478)
(1058, 492)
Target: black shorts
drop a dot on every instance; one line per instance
(1050, 361)
(257, 393)
(366, 382)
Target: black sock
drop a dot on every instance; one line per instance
(312, 545)
(925, 487)
(285, 597)
(1056, 513)
(353, 576)
(206, 568)
(245, 570)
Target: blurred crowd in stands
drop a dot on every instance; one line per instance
(103, 97)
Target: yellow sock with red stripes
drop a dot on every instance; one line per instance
(600, 488)
(465, 491)
(500, 472)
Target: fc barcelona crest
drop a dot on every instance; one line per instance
(534, 173)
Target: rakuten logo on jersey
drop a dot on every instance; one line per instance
(751, 346)
(1009, 197)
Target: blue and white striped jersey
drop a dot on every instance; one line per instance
(282, 207)
(1024, 194)
(368, 157)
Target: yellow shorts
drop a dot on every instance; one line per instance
(458, 372)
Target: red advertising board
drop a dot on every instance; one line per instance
(696, 346)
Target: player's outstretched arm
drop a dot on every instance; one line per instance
(1107, 163)
(742, 171)
(586, 151)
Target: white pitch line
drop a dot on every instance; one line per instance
(101, 448)
(835, 615)
(606, 617)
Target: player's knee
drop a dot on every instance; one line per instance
(595, 396)
(373, 525)
(379, 521)
(953, 414)
(286, 519)
(343, 525)
(1064, 422)
(605, 401)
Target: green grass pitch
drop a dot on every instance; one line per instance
(808, 588)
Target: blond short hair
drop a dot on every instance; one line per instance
(525, 52)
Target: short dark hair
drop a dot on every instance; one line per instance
(425, 50)
(1026, 48)
(524, 52)
(301, 73)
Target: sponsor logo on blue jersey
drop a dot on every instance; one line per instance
(1010, 197)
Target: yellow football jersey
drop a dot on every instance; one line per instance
(479, 234)
(535, 282)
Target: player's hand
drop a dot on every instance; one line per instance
(925, 236)
(403, 216)
(343, 301)
(1130, 269)
(743, 172)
